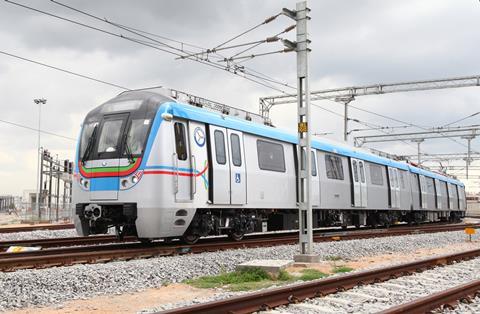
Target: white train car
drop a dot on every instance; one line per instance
(154, 167)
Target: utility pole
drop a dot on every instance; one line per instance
(418, 141)
(39, 102)
(468, 159)
(345, 100)
(300, 15)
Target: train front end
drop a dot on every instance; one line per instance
(111, 154)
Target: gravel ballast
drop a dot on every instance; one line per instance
(38, 234)
(378, 297)
(55, 285)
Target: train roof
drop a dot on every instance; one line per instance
(190, 112)
(207, 111)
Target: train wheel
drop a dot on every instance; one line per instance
(236, 235)
(145, 240)
(190, 238)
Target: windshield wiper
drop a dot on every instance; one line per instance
(88, 149)
(128, 151)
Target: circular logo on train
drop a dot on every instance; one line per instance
(199, 136)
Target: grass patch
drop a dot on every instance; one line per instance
(241, 280)
(311, 274)
(237, 277)
(341, 269)
(284, 276)
(332, 258)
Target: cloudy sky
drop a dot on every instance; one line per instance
(353, 43)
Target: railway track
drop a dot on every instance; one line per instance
(447, 299)
(74, 250)
(320, 236)
(36, 227)
(293, 295)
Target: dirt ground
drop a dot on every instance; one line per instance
(7, 219)
(386, 259)
(125, 303)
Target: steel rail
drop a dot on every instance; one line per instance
(271, 298)
(36, 227)
(448, 299)
(70, 241)
(112, 251)
(322, 235)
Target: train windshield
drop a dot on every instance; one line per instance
(136, 136)
(109, 139)
(86, 136)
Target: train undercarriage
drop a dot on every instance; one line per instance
(235, 223)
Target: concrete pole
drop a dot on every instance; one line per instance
(345, 123)
(419, 157)
(39, 102)
(469, 151)
(304, 132)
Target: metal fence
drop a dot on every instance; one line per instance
(28, 213)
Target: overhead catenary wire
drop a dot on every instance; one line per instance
(355, 120)
(286, 30)
(240, 71)
(63, 70)
(462, 119)
(36, 130)
(129, 29)
(266, 21)
(137, 32)
(406, 123)
(244, 74)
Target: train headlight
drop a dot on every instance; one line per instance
(84, 183)
(134, 179)
(124, 183)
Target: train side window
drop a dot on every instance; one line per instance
(270, 156)
(362, 171)
(180, 141)
(236, 150)
(220, 147)
(334, 167)
(402, 180)
(430, 186)
(390, 177)
(355, 170)
(376, 174)
(314, 164)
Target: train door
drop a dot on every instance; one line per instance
(423, 191)
(199, 159)
(356, 180)
(450, 196)
(315, 181)
(238, 177)
(438, 194)
(181, 158)
(397, 187)
(394, 189)
(363, 182)
(220, 171)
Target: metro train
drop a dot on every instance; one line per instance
(161, 164)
